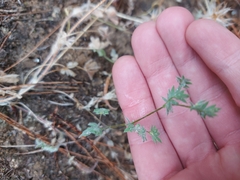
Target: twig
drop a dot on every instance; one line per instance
(6, 37)
(105, 91)
(77, 143)
(23, 128)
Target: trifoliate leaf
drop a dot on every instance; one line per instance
(101, 111)
(204, 110)
(92, 129)
(155, 134)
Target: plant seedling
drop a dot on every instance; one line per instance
(175, 97)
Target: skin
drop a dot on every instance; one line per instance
(208, 54)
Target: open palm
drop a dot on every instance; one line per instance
(209, 55)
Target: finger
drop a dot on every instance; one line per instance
(185, 129)
(152, 161)
(219, 49)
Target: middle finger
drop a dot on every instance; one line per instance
(185, 129)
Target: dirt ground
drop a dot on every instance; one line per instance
(68, 93)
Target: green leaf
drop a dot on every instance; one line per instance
(181, 95)
(129, 127)
(177, 94)
(204, 110)
(183, 82)
(92, 129)
(141, 132)
(45, 147)
(171, 93)
(169, 104)
(101, 52)
(101, 111)
(155, 134)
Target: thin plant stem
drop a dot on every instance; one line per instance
(182, 105)
(107, 58)
(137, 120)
(156, 110)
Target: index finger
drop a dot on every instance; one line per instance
(151, 160)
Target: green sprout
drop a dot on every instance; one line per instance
(102, 53)
(93, 128)
(101, 111)
(175, 97)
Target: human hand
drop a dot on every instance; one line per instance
(207, 54)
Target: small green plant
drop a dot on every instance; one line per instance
(98, 46)
(175, 97)
(93, 128)
(101, 111)
(46, 147)
(102, 53)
